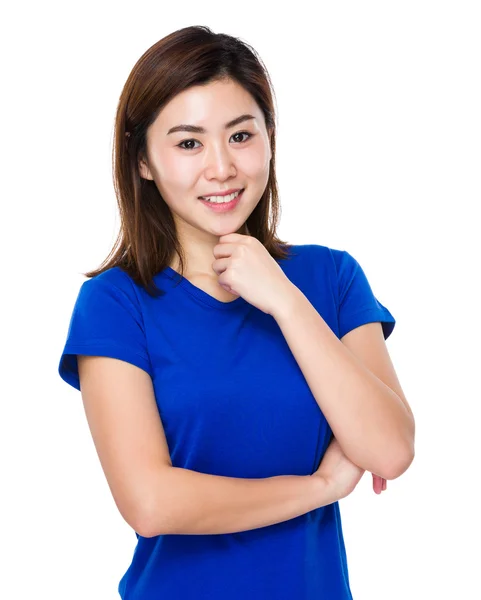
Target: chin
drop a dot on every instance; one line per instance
(226, 231)
(243, 230)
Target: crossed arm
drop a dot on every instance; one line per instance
(355, 385)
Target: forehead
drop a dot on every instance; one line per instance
(211, 105)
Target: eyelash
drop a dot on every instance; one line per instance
(193, 140)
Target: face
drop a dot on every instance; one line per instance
(187, 164)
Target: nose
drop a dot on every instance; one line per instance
(219, 163)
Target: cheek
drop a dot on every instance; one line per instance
(174, 170)
(256, 163)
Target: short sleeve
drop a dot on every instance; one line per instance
(357, 303)
(105, 321)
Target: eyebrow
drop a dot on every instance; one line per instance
(197, 129)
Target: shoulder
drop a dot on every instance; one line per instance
(114, 278)
(321, 255)
(112, 283)
(325, 263)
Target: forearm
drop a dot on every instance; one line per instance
(368, 419)
(196, 503)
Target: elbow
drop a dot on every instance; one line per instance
(399, 460)
(158, 517)
(136, 518)
(153, 523)
(158, 510)
(147, 527)
(140, 521)
(398, 465)
(144, 526)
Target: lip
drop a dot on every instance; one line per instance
(222, 208)
(225, 193)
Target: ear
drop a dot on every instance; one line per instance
(143, 165)
(144, 169)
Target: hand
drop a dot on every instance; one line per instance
(339, 471)
(246, 268)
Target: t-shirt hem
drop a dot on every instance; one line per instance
(68, 363)
(370, 315)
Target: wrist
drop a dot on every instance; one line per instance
(324, 490)
(287, 302)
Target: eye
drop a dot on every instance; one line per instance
(249, 135)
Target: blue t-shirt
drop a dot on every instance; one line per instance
(233, 402)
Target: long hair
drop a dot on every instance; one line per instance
(147, 239)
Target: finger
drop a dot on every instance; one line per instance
(384, 484)
(223, 250)
(220, 265)
(376, 484)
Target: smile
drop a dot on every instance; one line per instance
(221, 199)
(223, 203)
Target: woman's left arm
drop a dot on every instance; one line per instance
(355, 385)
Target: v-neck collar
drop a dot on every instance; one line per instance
(189, 287)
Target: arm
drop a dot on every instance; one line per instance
(189, 502)
(373, 425)
(155, 497)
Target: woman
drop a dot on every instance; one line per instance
(236, 386)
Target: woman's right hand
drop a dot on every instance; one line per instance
(338, 471)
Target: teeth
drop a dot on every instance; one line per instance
(221, 199)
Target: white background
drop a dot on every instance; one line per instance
(378, 154)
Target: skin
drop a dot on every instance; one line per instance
(217, 160)
(186, 165)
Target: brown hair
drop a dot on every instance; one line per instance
(147, 239)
